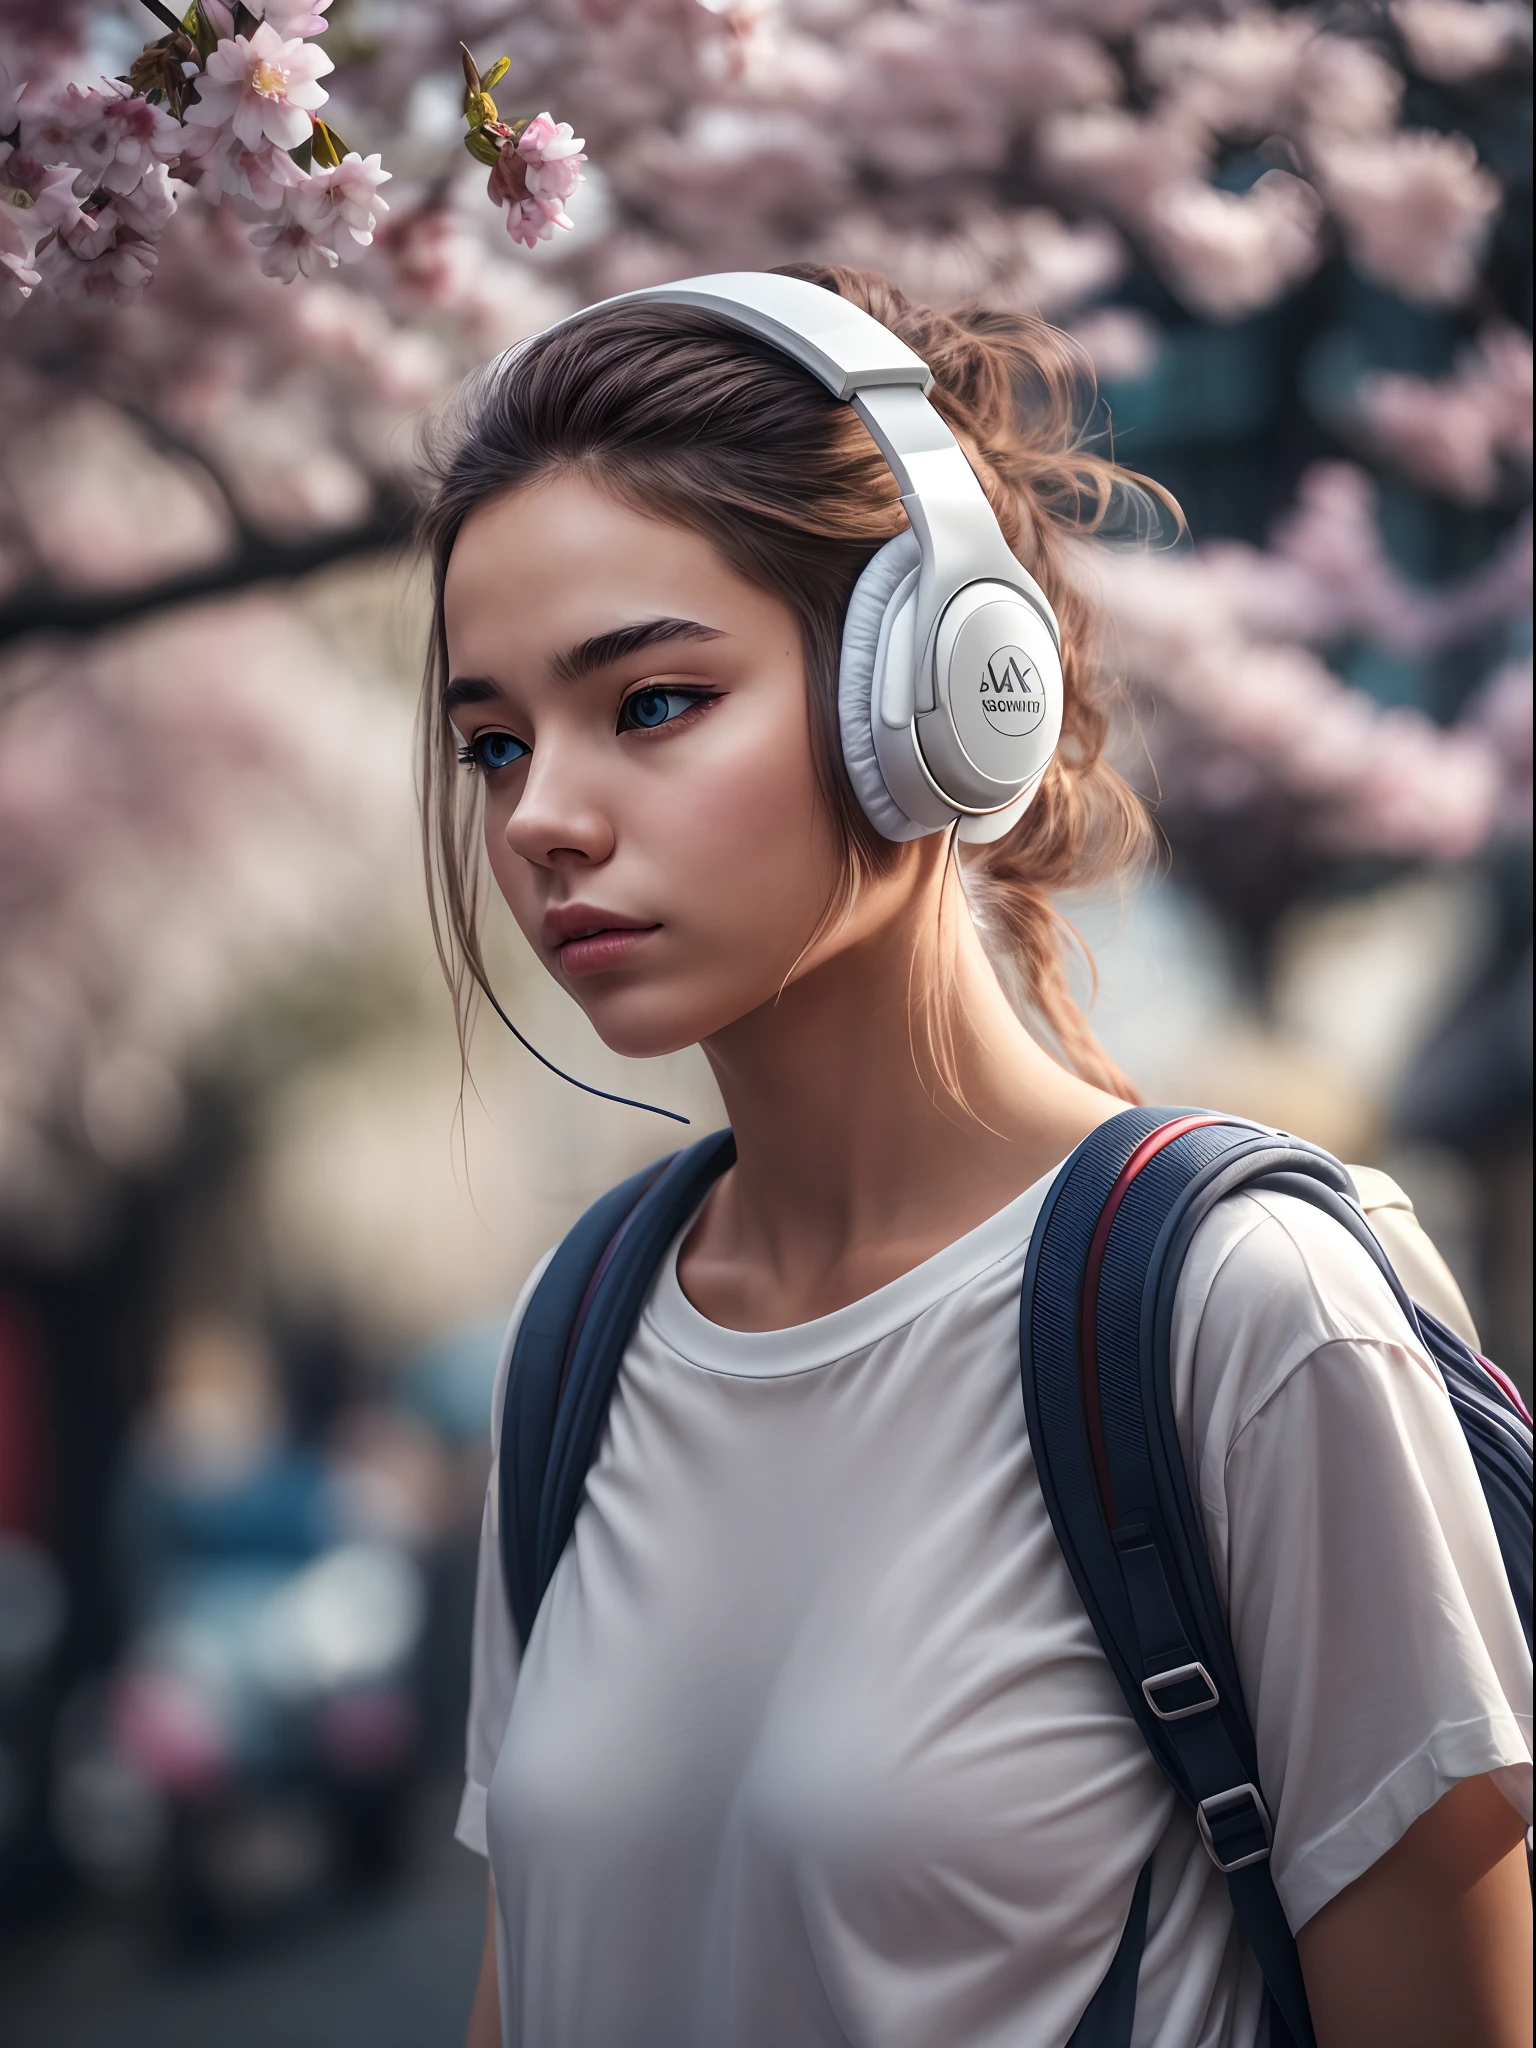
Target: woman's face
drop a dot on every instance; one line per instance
(637, 712)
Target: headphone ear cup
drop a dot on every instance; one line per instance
(998, 646)
(994, 825)
(877, 596)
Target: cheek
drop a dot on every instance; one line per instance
(724, 837)
(751, 851)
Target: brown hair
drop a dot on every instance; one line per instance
(687, 418)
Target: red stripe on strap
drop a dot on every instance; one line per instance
(1088, 1326)
(1506, 1383)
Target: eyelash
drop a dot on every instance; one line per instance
(469, 752)
(692, 700)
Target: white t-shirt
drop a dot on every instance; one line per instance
(814, 1742)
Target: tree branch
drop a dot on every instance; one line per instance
(167, 441)
(81, 614)
(164, 14)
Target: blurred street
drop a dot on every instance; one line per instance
(396, 1970)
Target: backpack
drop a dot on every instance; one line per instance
(1095, 1320)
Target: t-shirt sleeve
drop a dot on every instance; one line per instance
(1382, 1656)
(493, 1657)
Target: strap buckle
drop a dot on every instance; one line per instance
(1168, 1681)
(1235, 1816)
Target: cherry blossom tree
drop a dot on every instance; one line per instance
(1293, 229)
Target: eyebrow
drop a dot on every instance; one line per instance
(588, 656)
(606, 648)
(467, 690)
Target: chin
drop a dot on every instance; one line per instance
(644, 1023)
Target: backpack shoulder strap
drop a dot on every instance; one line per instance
(1497, 1426)
(1096, 1317)
(566, 1357)
(1493, 1418)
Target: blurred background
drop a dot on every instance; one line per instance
(256, 1246)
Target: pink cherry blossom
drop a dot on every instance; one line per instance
(1452, 41)
(36, 200)
(1415, 209)
(1231, 254)
(265, 175)
(90, 234)
(134, 137)
(1232, 77)
(18, 280)
(934, 88)
(290, 249)
(1119, 159)
(1345, 88)
(1503, 357)
(527, 222)
(1122, 343)
(20, 232)
(114, 278)
(1423, 791)
(66, 127)
(553, 156)
(1464, 434)
(1501, 713)
(1268, 711)
(341, 204)
(149, 206)
(1029, 258)
(294, 17)
(263, 88)
(533, 178)
(111, 134)
(1440, 435)
(43, 194)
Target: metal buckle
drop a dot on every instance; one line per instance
(1222, 1803)
(1162, 1681)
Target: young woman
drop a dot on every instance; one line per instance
(813, 1742)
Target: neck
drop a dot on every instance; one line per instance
(846, 1132)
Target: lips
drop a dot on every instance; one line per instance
(588, 939)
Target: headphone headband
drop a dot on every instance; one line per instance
(962, 549)
(861, 361)
(841, 345)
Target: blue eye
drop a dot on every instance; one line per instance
(490, 751)
(648, 708)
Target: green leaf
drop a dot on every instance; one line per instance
(303, 156)
(201, 30)
(329, 147)
(485, 149)
(496, 74)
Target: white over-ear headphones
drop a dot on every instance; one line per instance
(950, 690)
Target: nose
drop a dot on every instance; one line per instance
(559, 816)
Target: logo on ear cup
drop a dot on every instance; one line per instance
(1012, 694)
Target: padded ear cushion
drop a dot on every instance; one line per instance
(872, 595)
